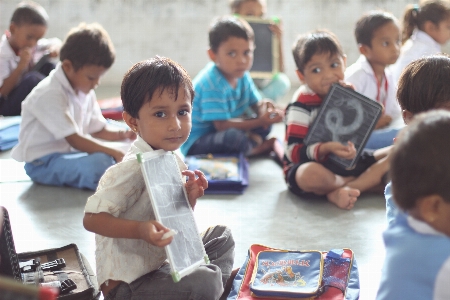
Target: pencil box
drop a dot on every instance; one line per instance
(339, 279)
(65, 265)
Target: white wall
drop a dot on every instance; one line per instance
(178, 29)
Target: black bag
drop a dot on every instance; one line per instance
(77, 267)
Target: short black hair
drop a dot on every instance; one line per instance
(223, 28)
(420, 164)
(369, 23)
(315, 42)
(31, 13)
(424, 84)
(149, 76)
(88, 44)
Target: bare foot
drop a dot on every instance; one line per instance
(344, 197)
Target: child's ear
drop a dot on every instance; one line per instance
(363, 49)
(212, 55)
(67, 66)
(300, 75)
(407, 116)
(344, 58)
(131, 122)
(428, 208)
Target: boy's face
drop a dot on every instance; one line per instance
(164, 122)
(251, 8)
(321, 71)
(25, 35)
(385, 45)
(85, 78)
(233, 57)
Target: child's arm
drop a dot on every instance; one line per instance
(267, 115)
(114, 135)
(10, 82)
(84, 144)
(107, 225)
(195, 187)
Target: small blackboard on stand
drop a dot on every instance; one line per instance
(345, 115)
(265, 56)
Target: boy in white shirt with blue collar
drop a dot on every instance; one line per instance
(378, 36)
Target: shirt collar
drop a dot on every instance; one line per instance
(62, 78)
(422, 227)
(7, 47)
(423, 37)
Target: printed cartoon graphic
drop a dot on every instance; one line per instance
(283, 276)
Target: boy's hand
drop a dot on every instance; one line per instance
(346, 84)
(117, 154)
(195, 187)
(25, 55)
(384, 121)
(344, 151)
(276, 29)
(152, 232)
(269, 113)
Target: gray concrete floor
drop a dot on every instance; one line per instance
(46, 217)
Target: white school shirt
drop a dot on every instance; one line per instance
(361, 75)
(9, 60)
(122, 193)
(419, 44)
(50, 113)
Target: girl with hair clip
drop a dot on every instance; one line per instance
(426, 27)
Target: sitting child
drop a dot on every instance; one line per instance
(378, 36)
(276, 87)
(157, 98)
(61, 119)
(224, 93)
(20, 48)
(320, 62)
(425, 30)
(423, 86)
(417, 263)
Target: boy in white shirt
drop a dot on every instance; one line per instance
(378, 36)
(20, 49)
(61, 118)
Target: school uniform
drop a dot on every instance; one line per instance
(50, 113)
(417, 263)
(419, 44)
(363, 78)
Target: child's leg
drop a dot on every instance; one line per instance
(203, 283)
(314, 178)
(219, 246)
(227, 141)
(12, 104)
(78, 169)
(369, 179)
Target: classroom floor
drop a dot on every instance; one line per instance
(46, 217)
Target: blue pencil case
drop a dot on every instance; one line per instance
(287, 274)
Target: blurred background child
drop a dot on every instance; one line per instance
(280, 84)
(21, 47)
(61, 119)
(320, 62)
(417, 263)
(426, 27)
(224, 93)
(377, 34)
(422, 86)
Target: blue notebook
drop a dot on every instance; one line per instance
(226, 173)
